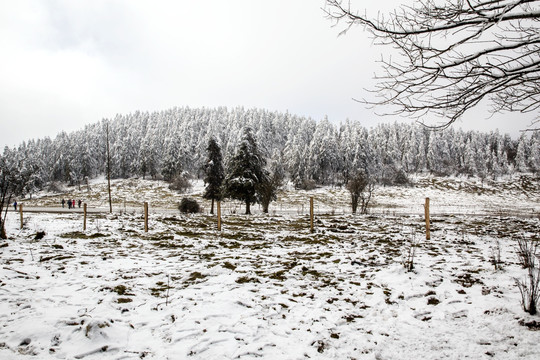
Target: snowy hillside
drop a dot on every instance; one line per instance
(266, 287)
(512, 195)
(171, 142)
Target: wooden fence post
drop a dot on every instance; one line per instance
(84, 223)
(219, 215)
(145, 216)
(21, 211)
(426, 211)
(311, 213)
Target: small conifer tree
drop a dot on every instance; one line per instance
(246, 172)
(214, 173)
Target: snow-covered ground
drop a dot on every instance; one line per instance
(266, 287)
(516, 195)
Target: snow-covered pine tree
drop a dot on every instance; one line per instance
(523, 152)
(171, 163)
(324, 160)
(245, 172)
(214, 173)
(269, 188)
(510, 150)
(296, 153)
(534, 157)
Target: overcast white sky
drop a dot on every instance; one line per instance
(64, 64)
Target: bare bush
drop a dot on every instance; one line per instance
(365, 197)
(530, 290)
(356, 186)
(306, 184)
(361, 188)
(401, 178)
(180, 183)
(526, 251)
(54, 187)
(188, 205)
(496, 256)
(529, 287)
(409, 252)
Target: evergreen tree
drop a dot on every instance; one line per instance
(522, 154)
(268, 189)
(323, 160)
(214, 173)
(245, 172)
(171, 163)
(534, 158)
(296, 152)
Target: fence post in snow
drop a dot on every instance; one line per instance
(311, 213)
(145, 216)
(219, 215)
(21, 211)
(84, 223)
(426, 211)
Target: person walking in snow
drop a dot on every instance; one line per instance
(80, 202)
(73, 203)
(63, 202)
(69, 203)
(15, 205)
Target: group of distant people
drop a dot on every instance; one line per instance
(71, 203)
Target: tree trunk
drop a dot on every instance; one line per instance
(265, 204)
(248, 208)
(354, 202)
(212, 208)
(4, 216)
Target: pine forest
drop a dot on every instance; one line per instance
(166, 143)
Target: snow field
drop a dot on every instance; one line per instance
(517, 195)
(263, 288)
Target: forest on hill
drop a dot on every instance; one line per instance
(146, 144)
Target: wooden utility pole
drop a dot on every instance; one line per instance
(84, 223)
(145, 216)
(109, 169)
(426, 211)
(311, 214)
(219, 215)
(21, 211)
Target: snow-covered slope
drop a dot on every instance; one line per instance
(515, 195)
(266, 287)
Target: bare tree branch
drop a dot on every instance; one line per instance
(454, 54)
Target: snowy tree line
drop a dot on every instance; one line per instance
(166, 143)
